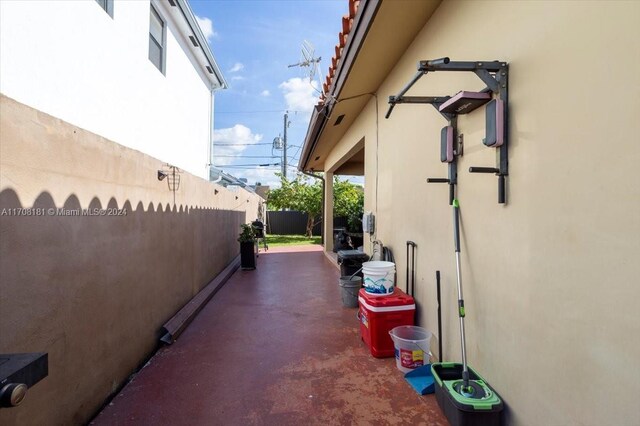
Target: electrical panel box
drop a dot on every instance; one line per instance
(368, 223)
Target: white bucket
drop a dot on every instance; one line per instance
(379, 277)
(411, 347)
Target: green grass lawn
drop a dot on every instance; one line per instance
(291, 240)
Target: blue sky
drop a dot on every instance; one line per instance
(253, 42)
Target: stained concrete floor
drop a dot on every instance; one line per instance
(273, 347)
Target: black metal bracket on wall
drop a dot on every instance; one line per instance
(452, 120)
(495, 74)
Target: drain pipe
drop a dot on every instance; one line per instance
(210, 147)
(313, 175)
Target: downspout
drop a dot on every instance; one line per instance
(212, 91)
(313, 175)
(210, 145)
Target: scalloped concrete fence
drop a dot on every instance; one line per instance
(95, 257)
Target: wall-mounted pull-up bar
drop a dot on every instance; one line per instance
(398, 98)
(495, 75)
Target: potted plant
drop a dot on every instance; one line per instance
(247, 239)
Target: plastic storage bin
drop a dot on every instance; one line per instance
(461, 411)
(411, 347)
(379, 315)
(350, 261)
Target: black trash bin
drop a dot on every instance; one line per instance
(350, 261)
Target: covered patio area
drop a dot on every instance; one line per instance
(273, 347)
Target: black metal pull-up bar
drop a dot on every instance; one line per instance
(393, 100)
(495, 75)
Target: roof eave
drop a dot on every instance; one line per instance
(221, 82)
(361, 24)
(316, 123)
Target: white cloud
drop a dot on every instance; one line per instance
(266, 176)
(240, 136)
(238, 66)
(207, 27)
(265, 93)
(299, 94)
(237, 77)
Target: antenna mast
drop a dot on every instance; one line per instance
(308, 60)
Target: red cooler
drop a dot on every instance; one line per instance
(380, 314)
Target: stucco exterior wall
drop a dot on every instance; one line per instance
(72, 60)
(549, 277)
(94, 291)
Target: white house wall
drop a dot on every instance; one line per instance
(72, 60)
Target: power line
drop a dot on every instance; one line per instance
(248, 156)
(257, 156)
(240, 144)
(270, 168)
(298, 151)
(246, 165)
(248, 144)
(254, 111)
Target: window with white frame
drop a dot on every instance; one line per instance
(107, 5)
(157, 39)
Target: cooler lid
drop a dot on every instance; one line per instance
(397, 298)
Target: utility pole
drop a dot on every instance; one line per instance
(284, 160)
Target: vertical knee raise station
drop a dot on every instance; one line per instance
(495, 74)
(464, 396)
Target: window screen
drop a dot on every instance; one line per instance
(107, 5)
(156, 39)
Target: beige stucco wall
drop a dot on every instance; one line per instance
(551, 278)
(93, 292)
(361, 131)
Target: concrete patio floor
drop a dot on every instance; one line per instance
(273, 347)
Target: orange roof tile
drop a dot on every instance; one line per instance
(343, 39)
(347, 26)
(353, 8)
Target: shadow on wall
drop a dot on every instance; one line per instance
(93, 287)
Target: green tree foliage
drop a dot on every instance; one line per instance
(348, 201)
(304, 194)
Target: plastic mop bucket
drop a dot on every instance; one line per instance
(350, 286)
(379, 277)
(411, 347)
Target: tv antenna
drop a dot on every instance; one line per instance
(308, 60)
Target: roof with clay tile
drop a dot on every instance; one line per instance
(375, 34)
(347, 25)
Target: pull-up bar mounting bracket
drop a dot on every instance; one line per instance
(495, 74)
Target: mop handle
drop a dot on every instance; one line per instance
(461, 312)
(456, 224)
(456, 237)
(439, 317)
